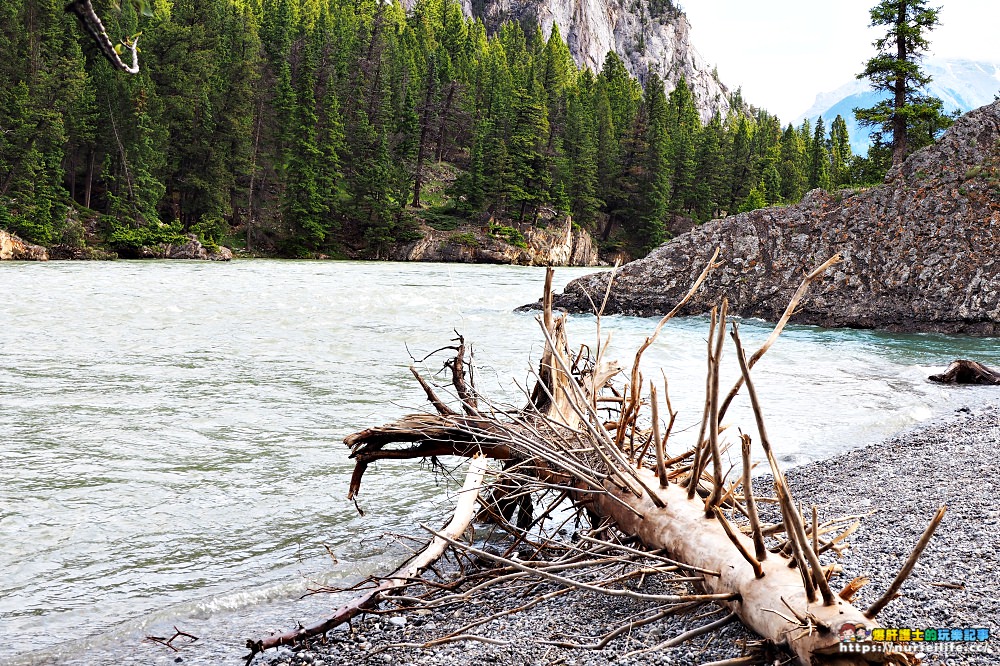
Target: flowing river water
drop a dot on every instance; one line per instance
(170, 432)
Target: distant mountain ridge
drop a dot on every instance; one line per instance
(961, 84)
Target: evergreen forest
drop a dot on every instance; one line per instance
(326, 127)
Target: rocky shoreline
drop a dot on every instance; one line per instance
(13, 248)
(900, 482)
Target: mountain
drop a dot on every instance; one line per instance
(961, 84)
(649, 35)
(919, 252)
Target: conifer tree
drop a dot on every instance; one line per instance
(530, 168)
(792, 165)
(682, 125)
(840, 152)
(741, 175)
(819, 158)
(710, 174)
(895, 69)
(578, 173)
(304, 206)
(654, 188)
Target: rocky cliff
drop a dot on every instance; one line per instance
(13, 248)
(649, 35)
(558, 244)
(920, 252)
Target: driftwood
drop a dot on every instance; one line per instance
(586, 440)
(967, 372)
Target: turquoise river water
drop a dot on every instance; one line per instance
(170, 432)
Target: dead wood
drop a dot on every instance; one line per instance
(963, 371)
(169, 642)
(911, 561)
(580, 438)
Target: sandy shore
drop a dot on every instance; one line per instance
(953, 460)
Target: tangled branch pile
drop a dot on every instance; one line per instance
(582, 442)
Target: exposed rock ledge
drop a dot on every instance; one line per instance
(555, 245)
(13, 248)
(192, 249)
(920, 252)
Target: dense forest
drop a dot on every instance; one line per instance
(307, 127)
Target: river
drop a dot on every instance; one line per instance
(170, 432)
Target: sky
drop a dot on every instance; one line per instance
(785, 52)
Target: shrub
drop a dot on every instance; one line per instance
(132, 239)
(509, 234)
(468, 239)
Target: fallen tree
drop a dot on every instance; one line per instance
(682, 519)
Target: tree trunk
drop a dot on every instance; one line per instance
(899, 92)
(88, 187)
(425, 122)
(443, 127)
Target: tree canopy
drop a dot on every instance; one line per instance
(912, 118)
(307, 127)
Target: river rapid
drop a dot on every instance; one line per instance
(170, 432)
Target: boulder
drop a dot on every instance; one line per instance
(920, 252)
(13, 248)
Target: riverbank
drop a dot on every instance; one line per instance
(902, 480)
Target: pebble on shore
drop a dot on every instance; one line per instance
(901, 481)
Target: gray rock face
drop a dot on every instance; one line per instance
(920, 253)
(646, 42)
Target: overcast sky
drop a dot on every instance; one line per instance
(784, 52)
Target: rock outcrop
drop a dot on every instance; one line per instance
(192, 249)
(554, 245)
(649, 36)
(13, 248)
(66, 252)
(920, 252)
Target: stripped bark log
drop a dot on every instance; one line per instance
(561, 441)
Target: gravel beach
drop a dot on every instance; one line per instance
(953, 460)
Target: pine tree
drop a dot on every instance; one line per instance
(895, 69)
(682, 126)
(304, 204)
(578, 172)
(655, 178)
(840, 152)
(819, 158)
(741, 178)
(791, 168)
(617, 104)
(530, 168)
(710, 172)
